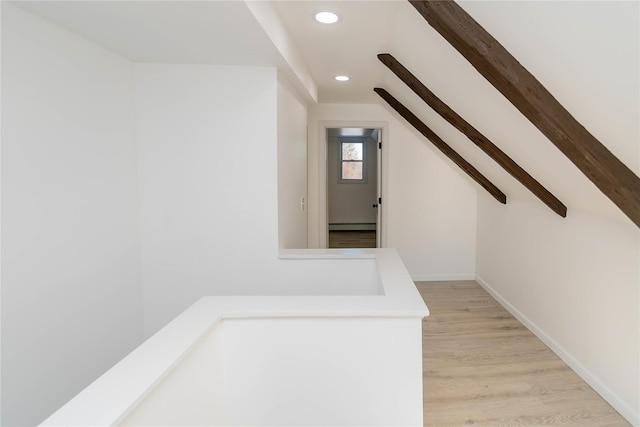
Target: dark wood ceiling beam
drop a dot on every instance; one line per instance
(473, 134)
(442, 146)
(533, 100)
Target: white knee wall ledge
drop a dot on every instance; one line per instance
(332, 341)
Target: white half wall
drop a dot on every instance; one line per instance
(71, 296)
(575, 283)
(292, 166)
(428, 208)
(192, 393)
(292, 372)
(323, 372)
(294, 360)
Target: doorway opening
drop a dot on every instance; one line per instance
(353, 187)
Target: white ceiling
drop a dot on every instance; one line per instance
(348, 47)
(226, 33)
(576, 66)
(205, 32)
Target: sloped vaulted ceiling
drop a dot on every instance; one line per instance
(586, 53)
(551, 38)
(534, 101)
(473, 134)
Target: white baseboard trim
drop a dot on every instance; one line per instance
(630, 414)
(442, 277)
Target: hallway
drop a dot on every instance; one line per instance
(482, 367)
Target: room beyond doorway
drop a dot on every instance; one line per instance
(353, 182)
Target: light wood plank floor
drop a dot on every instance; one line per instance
(482, 367)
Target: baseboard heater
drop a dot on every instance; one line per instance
(352, 226)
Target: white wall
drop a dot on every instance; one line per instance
(574, 282)
(208, 183)
(221, 149)
(71, 299)
(428, 209)
(292, 166)
(192, 393)
(324, 371)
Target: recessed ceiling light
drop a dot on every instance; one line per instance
(341, 78)
(326, 17)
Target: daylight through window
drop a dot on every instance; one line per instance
(352, 159)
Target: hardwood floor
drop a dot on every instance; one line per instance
(352, 239)
(482, 367)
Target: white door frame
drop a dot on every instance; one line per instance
(323, 191)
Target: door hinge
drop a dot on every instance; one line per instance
(380, 145)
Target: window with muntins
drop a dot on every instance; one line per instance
(352, 161)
